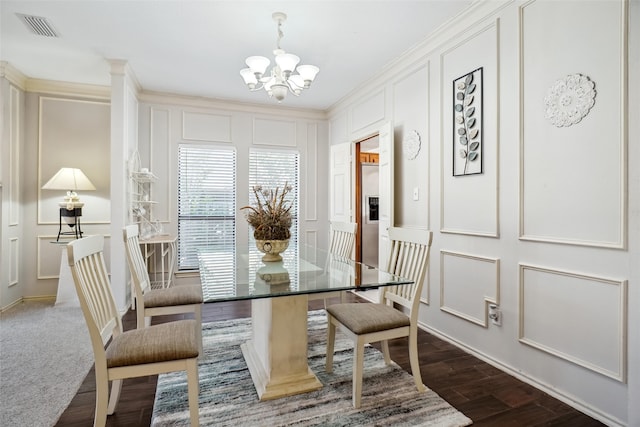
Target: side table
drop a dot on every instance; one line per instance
(66, 294)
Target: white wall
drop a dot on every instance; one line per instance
(71, 125)
(12, 111)
(49, 126)
(546, 230)
(62, 130)
(167, 121)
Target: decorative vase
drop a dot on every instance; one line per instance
(274, 275)
(272, 249)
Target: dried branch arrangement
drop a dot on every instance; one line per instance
(270, 217)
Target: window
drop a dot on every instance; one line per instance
(206, 201)
(272, 169)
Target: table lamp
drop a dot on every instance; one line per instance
(70, 179)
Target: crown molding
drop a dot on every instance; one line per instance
(476, 13)
(213, 103)
(27, 84)
(13, 75)
(70, 89)
(121, 67)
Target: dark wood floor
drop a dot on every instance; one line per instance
(483, 393)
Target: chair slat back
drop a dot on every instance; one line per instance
(343, 237)
(91, 280)
(408, 258)
(137, 265)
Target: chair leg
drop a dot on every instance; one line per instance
(385, 351)
(413, 358)
(197, 312)
(358, 362)
(140, 319)
(116, 386)
(193, 386)
(331, 337)
(102, 400)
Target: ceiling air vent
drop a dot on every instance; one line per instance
(38, 25)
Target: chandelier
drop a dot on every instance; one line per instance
(281, 79)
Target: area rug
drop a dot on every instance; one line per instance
(228, 396)
(45, 354)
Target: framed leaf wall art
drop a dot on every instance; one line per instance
(467, 124)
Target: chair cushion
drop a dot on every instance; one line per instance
(158, 343)
(174, 295)
(364, 318)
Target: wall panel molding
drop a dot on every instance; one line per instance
(477, 193)
(14, 261)
(368, 111)
(311, 237)
(311, 170)
(338, 127)
(90, 145)
(206, 127)
(160, 137)
(49, 255)
(560, 203)
(468, 284)
(15, 118)
(274, 132)
(556, 307)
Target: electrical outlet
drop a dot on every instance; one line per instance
(495, 315)
(497, 319)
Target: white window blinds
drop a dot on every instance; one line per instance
(206, 201)
(272, 169)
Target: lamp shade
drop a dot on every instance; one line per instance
(287, 62)
(308, 72)
(248, 77)
(70, 179)
(258, 64)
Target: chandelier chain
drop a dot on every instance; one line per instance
(280, 34)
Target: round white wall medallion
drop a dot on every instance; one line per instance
(569, 100)
(411, 145)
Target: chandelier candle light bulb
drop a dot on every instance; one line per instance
(282, 77)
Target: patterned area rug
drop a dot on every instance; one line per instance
(228, 396)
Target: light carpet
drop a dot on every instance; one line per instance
(45, 354)
(228, 396)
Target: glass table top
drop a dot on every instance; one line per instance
(228, 275)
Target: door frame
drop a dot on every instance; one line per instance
(357, 194)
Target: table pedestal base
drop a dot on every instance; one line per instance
(277, 353)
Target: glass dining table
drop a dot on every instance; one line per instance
(276, 354)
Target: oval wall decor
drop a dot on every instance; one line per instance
(411, 145)
(569, 100)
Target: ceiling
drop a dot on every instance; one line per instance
(197, 48)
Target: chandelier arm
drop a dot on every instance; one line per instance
(294, 91)
(257, 87)
(291, 84)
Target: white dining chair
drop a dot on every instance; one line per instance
(179, 299)
(343, 238)
(341, 243)
(171, 346)
(396, 314)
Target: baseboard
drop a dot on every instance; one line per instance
(25, 299)
(569, 400)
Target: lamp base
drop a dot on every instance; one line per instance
(71, 217)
